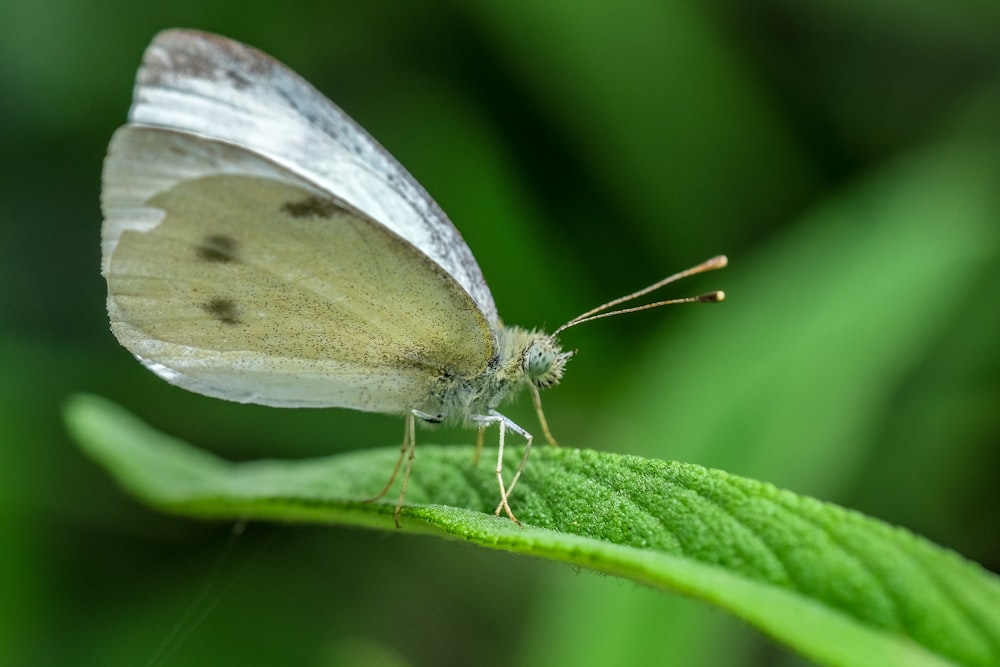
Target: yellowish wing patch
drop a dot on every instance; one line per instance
(261, 290)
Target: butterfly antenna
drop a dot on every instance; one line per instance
(717, 262)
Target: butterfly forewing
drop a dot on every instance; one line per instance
(213, 87)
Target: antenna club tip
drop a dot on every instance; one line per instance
(719, 262)
(713, 297)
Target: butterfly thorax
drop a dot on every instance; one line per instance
(523, 357)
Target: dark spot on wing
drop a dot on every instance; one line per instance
(310, 207)
(239, 81)
(176, 62)
(218, 248)
(223, 310)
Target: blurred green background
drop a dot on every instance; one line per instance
(844, 154)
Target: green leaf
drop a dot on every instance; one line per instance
(840, 588)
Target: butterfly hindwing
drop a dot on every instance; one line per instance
(234, 278)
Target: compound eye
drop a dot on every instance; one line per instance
(539, 359)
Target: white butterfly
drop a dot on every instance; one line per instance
(260, 247)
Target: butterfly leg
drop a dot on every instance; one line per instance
(524, 459)
(411, 435)
(406, 452)
(399, 462)
(479, 444)
(504, 423)
(537, 400)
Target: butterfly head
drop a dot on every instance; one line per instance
(544, 361)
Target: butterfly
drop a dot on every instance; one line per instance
(260, 247)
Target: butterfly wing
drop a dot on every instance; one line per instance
(230, 276)
(214, 87)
